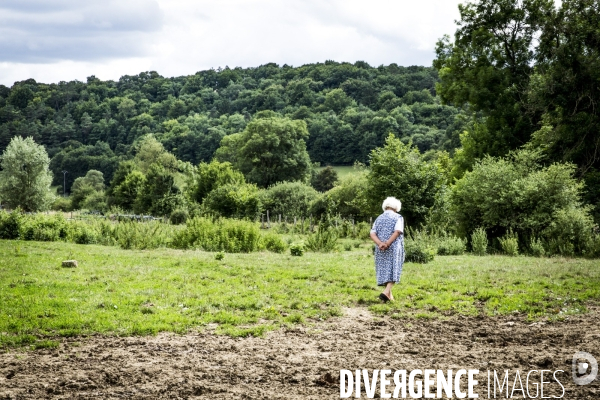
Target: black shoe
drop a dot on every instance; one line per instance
(384, 298)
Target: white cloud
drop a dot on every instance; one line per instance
(179, 37)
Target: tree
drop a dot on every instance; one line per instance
(151, 151)
(213, 175)
(399, 170)
(25, 178)
(159, 195)
(83, 187)
(271, 149)
(325, 179)
(489, 66)
(565, 88)
(125, 193)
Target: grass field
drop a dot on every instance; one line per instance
(342, 170)
(128, 292)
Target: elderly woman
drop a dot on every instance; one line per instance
(387, 233)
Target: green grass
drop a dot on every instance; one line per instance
(135, 292)
(342, 170)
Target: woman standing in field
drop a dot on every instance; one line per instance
(387, 233)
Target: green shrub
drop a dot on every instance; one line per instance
(291, 199)
(518, 192)
(536, 247)
(510, 244)
(594, 247)
(324, 240)
(273, 242)
(142, 235)
(356, 245)
(83, 233)
(418, 251)
(179, 216)
(363, 231)
(282, 227)
(297, 249)
(234, 201)
(219, 256)
(10, 224)
(61, 204)
(479, 242)
(451, 246)
(348, 247)
(44, 228)
(229, 235)
(570, 232)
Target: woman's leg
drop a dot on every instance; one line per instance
(388, 290)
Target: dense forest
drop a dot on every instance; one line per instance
(349, 109)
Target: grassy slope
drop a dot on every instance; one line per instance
(129, 292)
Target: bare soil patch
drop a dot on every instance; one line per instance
(299, 363)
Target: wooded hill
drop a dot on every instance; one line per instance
(349, 109)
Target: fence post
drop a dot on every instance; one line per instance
(268, 221)
(302, 222)
(310, 225)
(262, 221)
(279, 218)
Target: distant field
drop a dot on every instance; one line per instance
(129, 292)
(342, 170)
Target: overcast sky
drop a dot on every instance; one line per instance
(54, 40)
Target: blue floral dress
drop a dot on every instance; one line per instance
(388, 263)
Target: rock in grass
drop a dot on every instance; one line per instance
(69, 264)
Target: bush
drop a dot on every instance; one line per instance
(219, 256)
(363, 231)
(10, 224)
(418, 251)
(348, 247)
(234, 201)
(231, 236)
(325, 179)
(297, 249)
(179, 216)
(324, 240)
(44, 228)
(510, 244)
(349, 198)
(142, 235)
(292, 199)
(570, 232)
(274, 243)
(451, 246)
(479, 242)
(61, 204)
(83, 233)
(517, 192)
(536, 247)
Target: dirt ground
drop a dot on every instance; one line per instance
(299, 363)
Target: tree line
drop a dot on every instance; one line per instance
(348, 110)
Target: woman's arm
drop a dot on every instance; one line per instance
(394, 236)
(375, 238)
